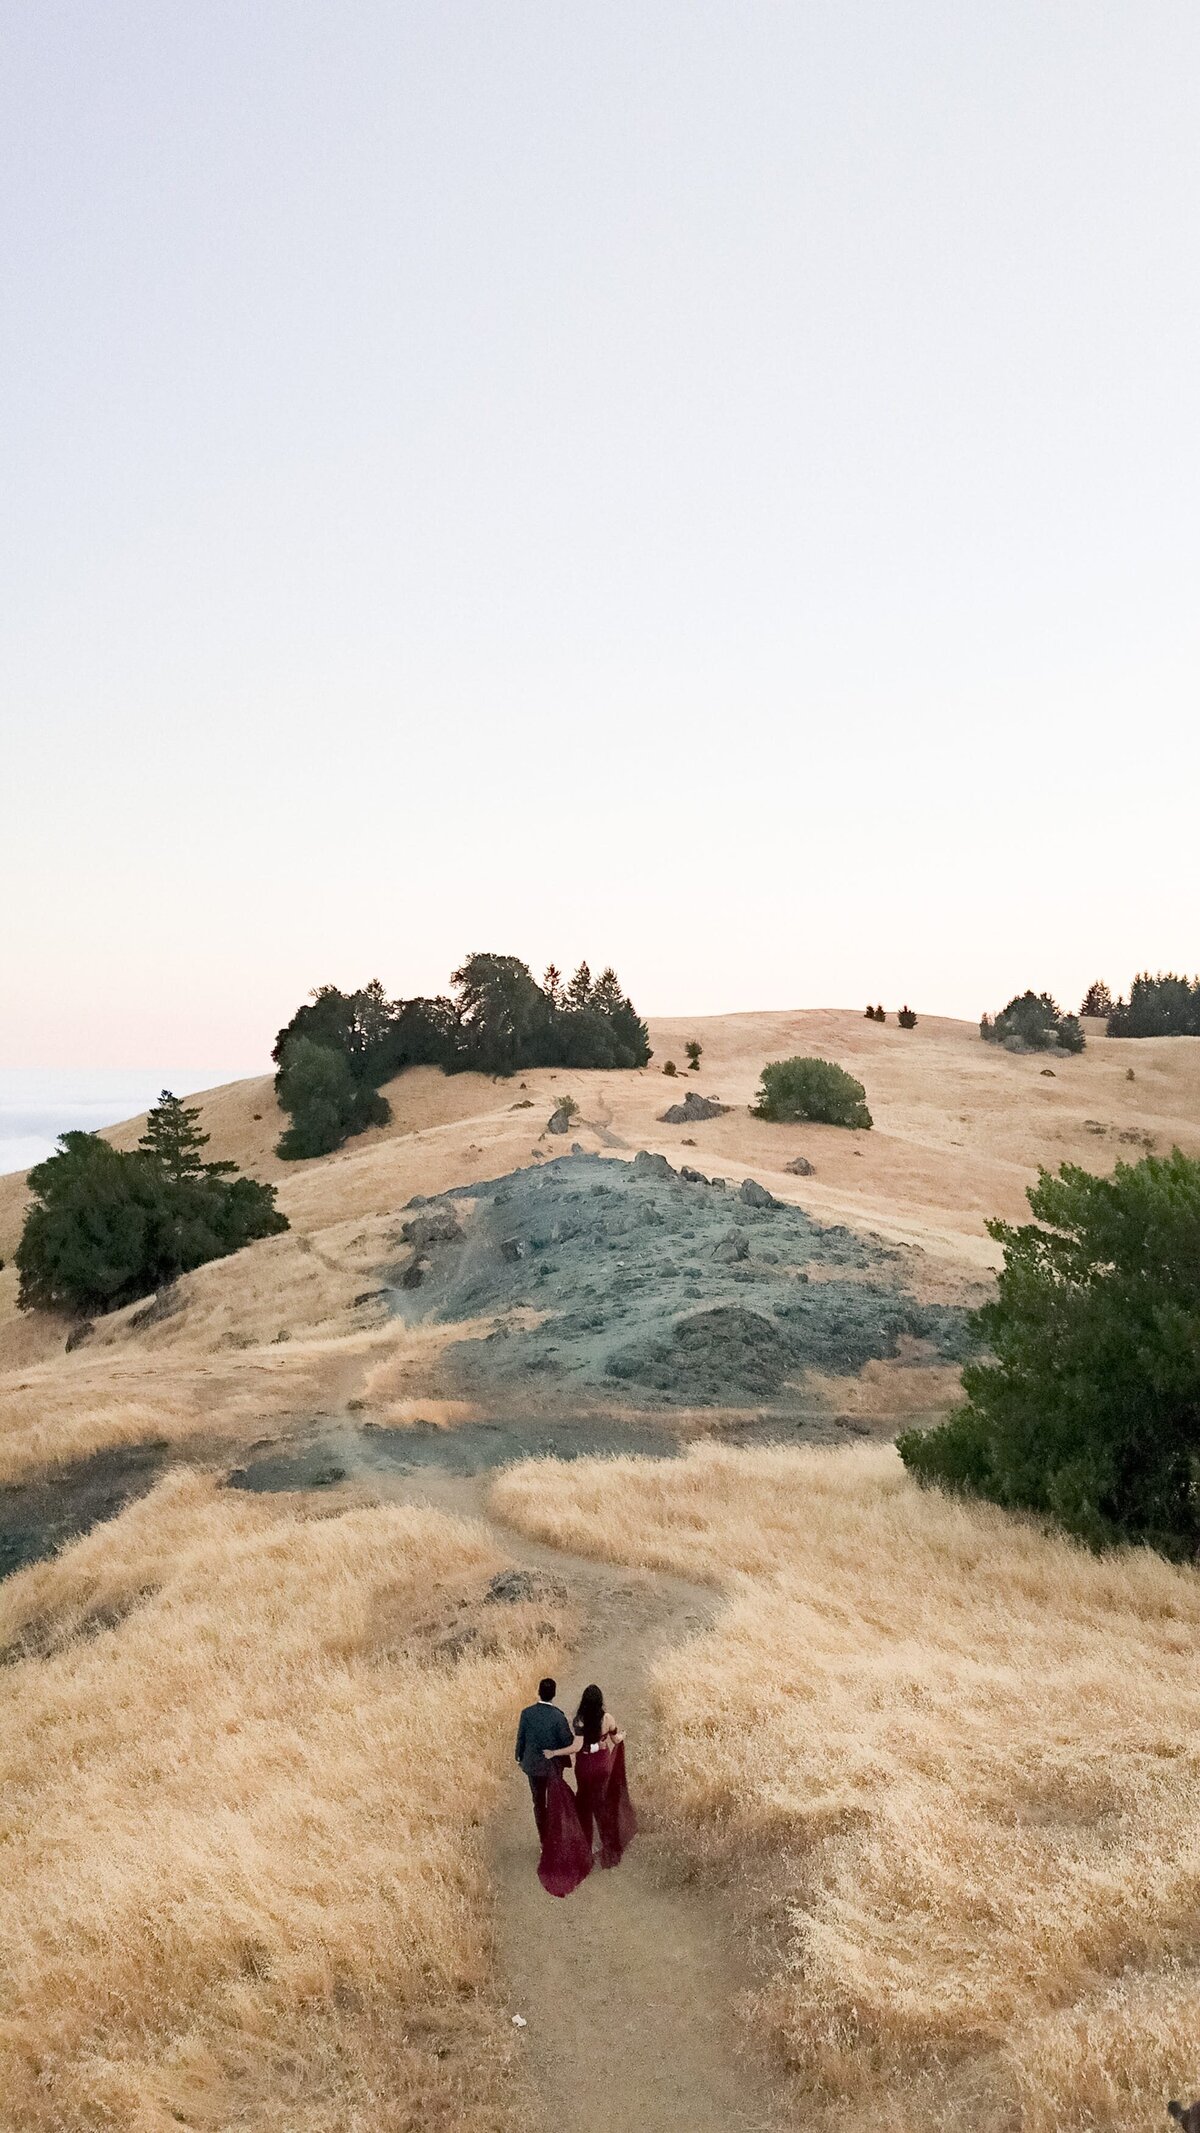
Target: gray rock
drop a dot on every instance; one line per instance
(755, 1195)
(163, 1305)
(646, 1165)
(694, 1106)
(559, 1121)
(439, 1226)
(79, 1334)
(510, 1587)
(577, 1147)
(369, 1296)
(512, 1249)
(414, 1273)
(692, 1177)
(800, 1167)
(733, 1247)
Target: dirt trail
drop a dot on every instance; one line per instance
(629, 1987)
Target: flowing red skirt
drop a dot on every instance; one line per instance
(566, 1853)
(615, 1818)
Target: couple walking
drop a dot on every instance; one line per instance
(600, 1804)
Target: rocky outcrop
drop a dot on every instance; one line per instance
(439, 1226)
(800, 1167)
(646, 1165)
(692, 1108)
(755, 1195)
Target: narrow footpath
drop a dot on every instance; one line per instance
(628, 1988)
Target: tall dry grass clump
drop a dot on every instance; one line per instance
(956, 1764)
(243, 1882)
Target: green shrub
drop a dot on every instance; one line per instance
(324, 1101)
(693, 1050)
(105, 1227)
(906, 1018)
(669, 1067)
(1033, 1022)
(813, 1089)
(1090, 1411)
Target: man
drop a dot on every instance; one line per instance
(542, 1726)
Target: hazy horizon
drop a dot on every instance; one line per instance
(704, 488)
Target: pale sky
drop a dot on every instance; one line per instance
(711, 488)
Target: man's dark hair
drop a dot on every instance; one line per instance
(547, 1690)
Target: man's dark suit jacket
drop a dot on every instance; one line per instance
(542, 1726)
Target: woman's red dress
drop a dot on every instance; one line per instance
(566, 1853)
(603, 1799)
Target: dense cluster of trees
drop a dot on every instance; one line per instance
(104, 1227)
(812, 1089)
(1033, 1022)
(1089, 1410)
(337, 1049)
(1161, 1006)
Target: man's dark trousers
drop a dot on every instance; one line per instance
(539, 1787)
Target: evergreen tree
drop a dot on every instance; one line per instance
(579, 991)
(173, 1140)
(1097, 1000)
(693, 1050)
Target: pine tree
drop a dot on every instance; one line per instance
(173, 1140)
(579, 991)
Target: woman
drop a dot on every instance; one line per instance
(601, 1792)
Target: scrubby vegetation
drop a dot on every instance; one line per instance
(669, 1067)
(693, 1049)
(1162, 1006)
(105, 1227)
(1089, 1412)
(875, 1014)
(947, 1758)
(813, 1089)
(1033, 1022)
(906, 1018)
(498, 1021)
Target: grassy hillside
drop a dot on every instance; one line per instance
(950, 1764)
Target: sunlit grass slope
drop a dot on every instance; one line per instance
(242, 1869)
(955, 1765)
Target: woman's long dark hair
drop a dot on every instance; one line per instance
(589, 1718)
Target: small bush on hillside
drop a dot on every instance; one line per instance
(906, 1018)
(1033, 1022)
(869, 1016)
(324, 1101)
(693, 1050)
(669, 1067)
(1090, 1412)
(813, 1089)
(105, 1227)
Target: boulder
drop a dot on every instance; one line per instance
(755, 1195)
(414, 1273)
(694, 1106)
(733, 1247)
(512, 1249)
(559, 1121)
(692, 1177)
(1050, 1073)
(800, 1167)
(439, 1226)
(646, 1165)
(79, 1334)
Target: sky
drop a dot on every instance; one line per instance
(711, 488)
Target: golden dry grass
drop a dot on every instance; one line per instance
(959, 1131)
(955, 1766)
(243, 1879)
